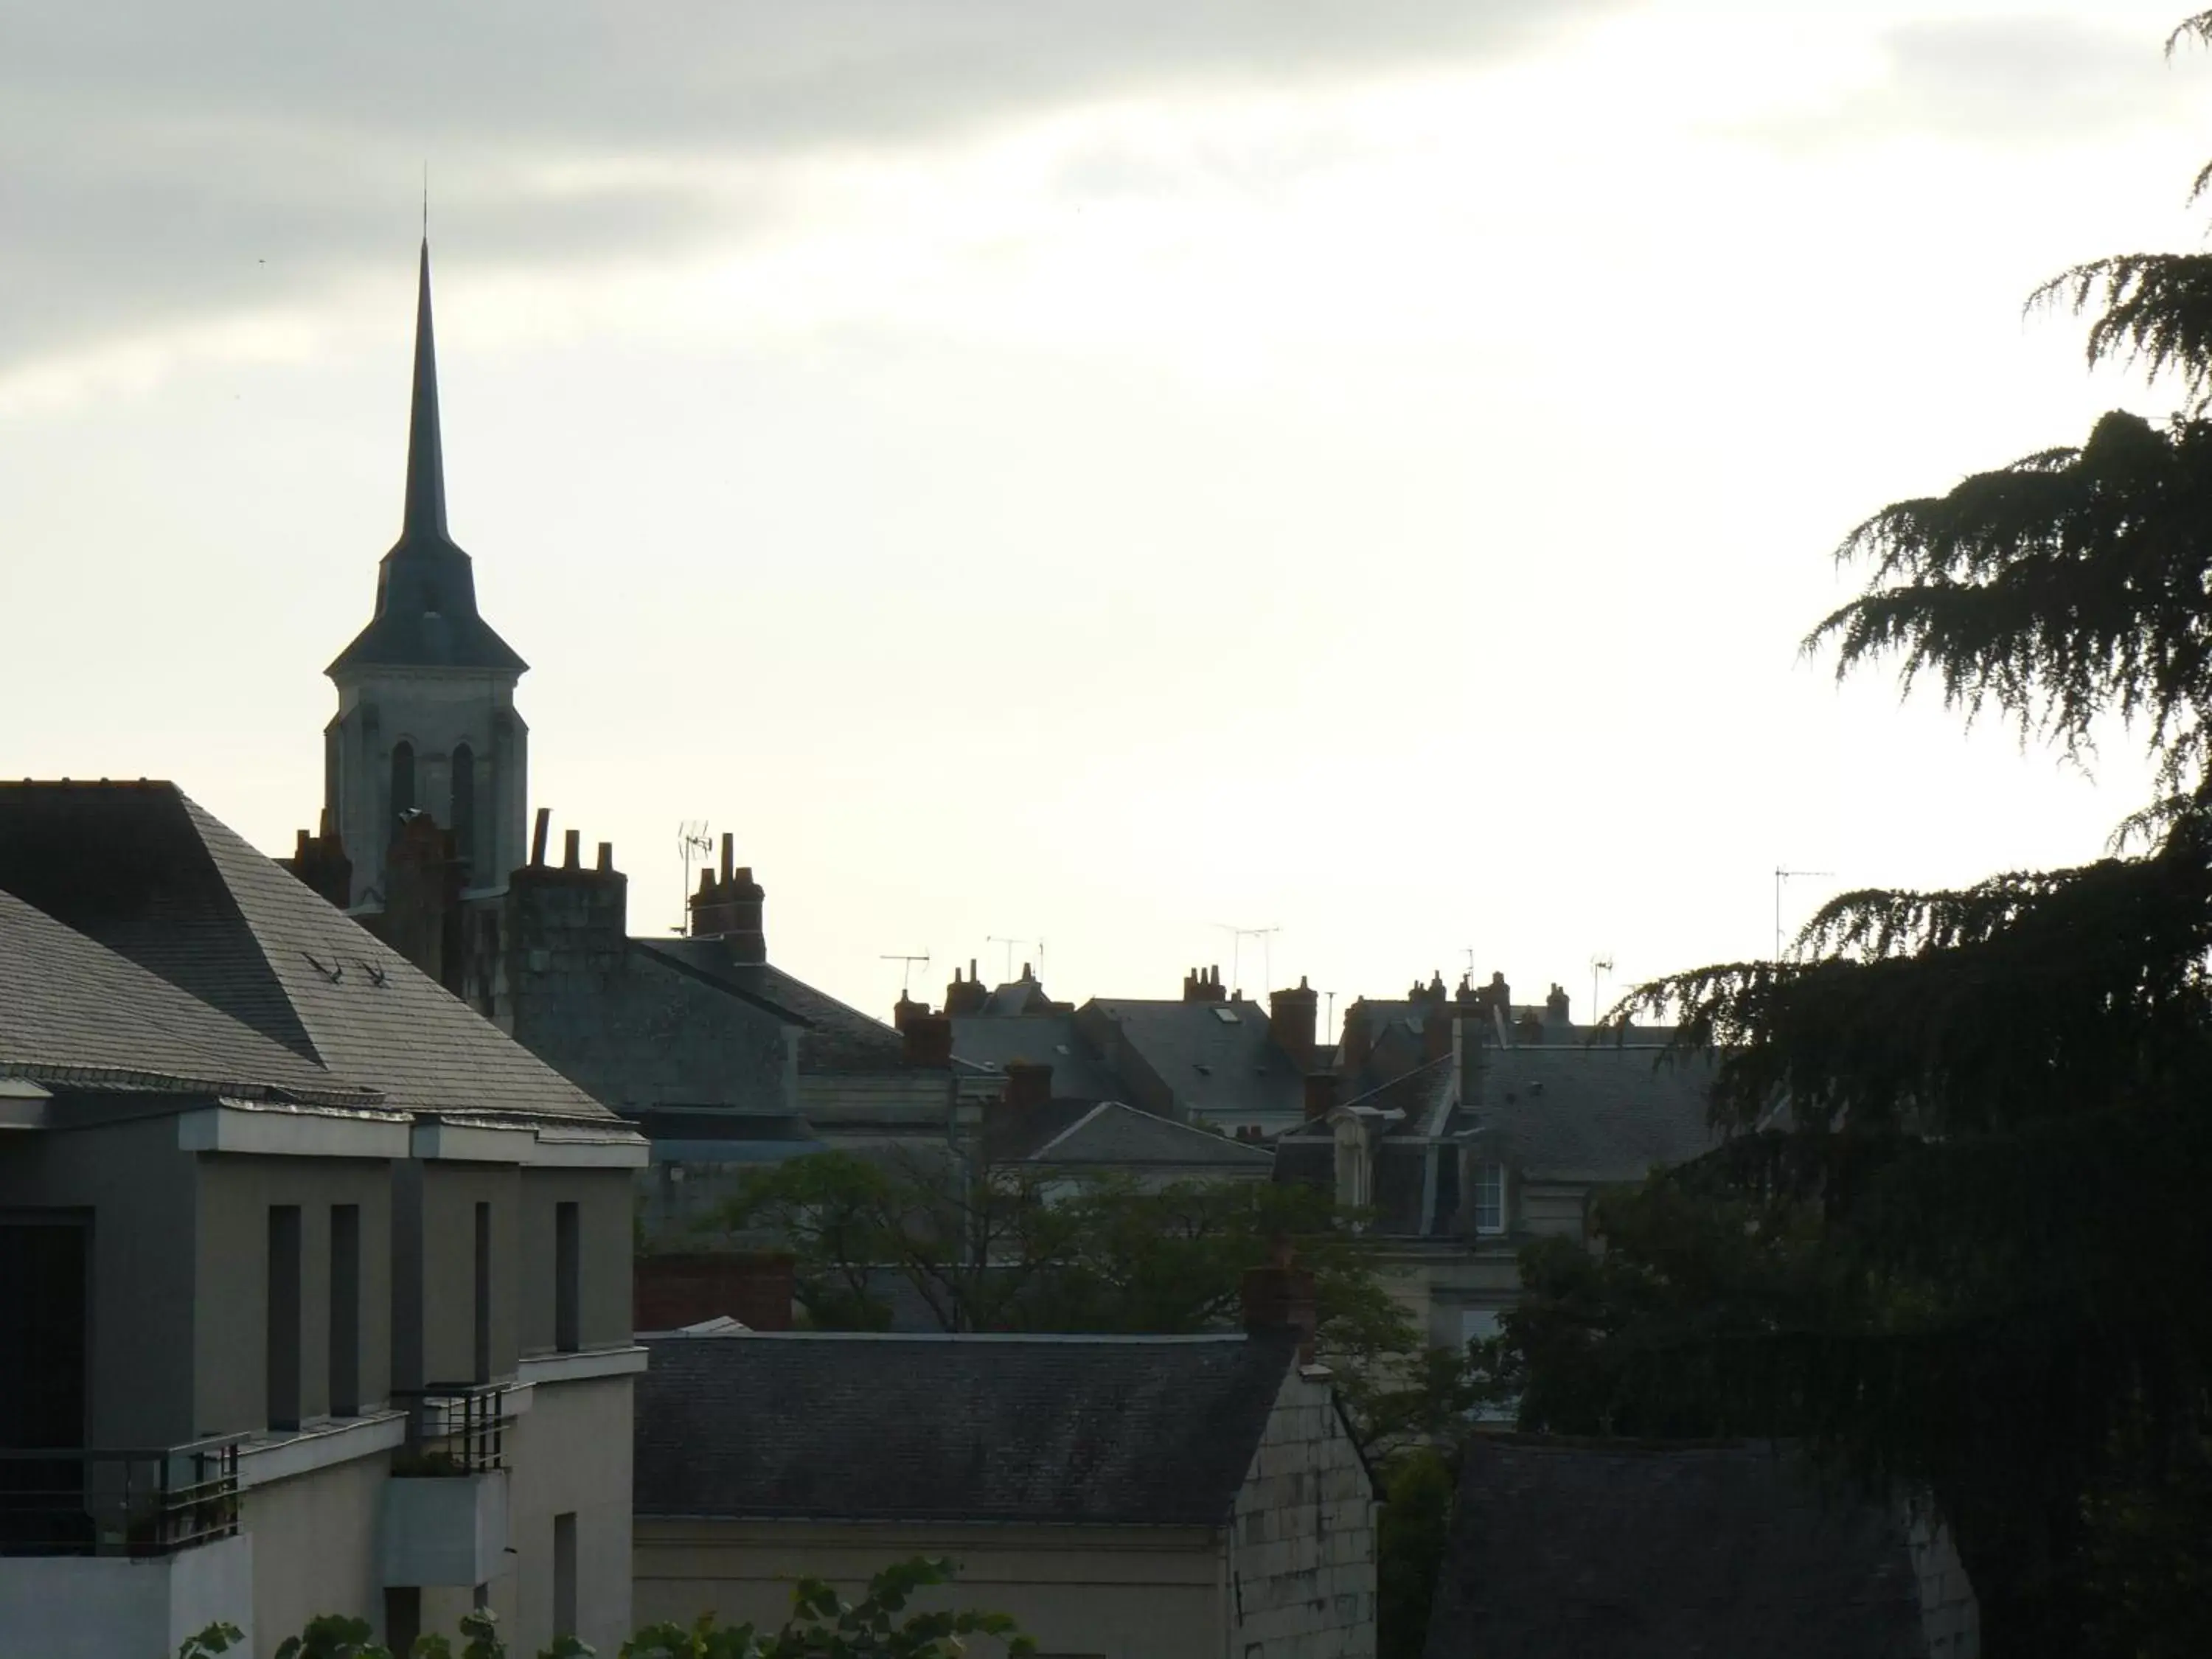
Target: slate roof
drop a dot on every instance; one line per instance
(1086, 1430)
(1116, 1135)
(835, 1037)
(75, 1014)
(1611, 1552)
(146, 871)
(1219, 1066)
(1598, 1112)
(1077, 1073)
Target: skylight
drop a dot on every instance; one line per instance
(1226, 1016)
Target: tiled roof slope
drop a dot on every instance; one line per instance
(1118, 1135)
(1053, 1040)
(1622, 1552)
(1218, 1066)
(146, 872)
(1137, 1431)
(835, 1035)
(1593, 1111)
(74, 1012)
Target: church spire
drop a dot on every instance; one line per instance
(425, 462)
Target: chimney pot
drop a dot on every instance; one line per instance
(571, 848)
(544, 827)
(607, 857)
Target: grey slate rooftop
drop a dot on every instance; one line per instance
(1115, 1135)
(74, 1015)
(1603, 1551)
(144, 870)
(1220, 1057)
(1110, 1431)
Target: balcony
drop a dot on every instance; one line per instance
(445, 1508)
(121, 1554)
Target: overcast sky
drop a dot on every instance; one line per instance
(1101, 473)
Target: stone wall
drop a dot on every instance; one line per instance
(1949, 1612)
(1301, 1555)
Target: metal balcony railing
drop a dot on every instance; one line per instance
(453, 1428)
(143, 1504)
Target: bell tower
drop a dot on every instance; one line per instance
(426, 720)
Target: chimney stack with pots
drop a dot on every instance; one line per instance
(729, 908)
(1291, 1016)
(965, 996)
(1204, 985)
(1279, 1298)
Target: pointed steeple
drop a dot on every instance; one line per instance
(426, 459)
(426, 594)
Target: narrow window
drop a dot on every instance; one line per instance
(345, 1310)
(483, 1294)
(568, 1279)
(403, 779)
(464, 808)
(1489, 1199)
(283, 1339)
(564, 1574)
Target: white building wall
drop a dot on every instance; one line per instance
(315, 1547)
(1949, 1612)
(569, 1453)
(1302, 1556)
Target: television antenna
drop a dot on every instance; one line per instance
(906, 968)
(1781, 876)
(1601, 964)
(1237, 937)
(693, 839)
(1000, 938)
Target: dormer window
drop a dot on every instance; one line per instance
(1489, 1198)
(1355, 1177)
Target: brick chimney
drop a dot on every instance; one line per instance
(1028, 1085)
(964, 997)
(1437, 1021)
(561, 928)
(1291, 1017)
(1557, 1009)
(905, 1009)
(755, 1288)
(320, 862)
(1359, 1043)
(728, 907)
(422, 897)
(928, 1039)
(1319, 1095)
(1279, 1296)
(1204, 985)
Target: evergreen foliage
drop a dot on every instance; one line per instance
(1959, 1237)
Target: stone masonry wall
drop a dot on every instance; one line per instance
(1949, 1612)
(1302, 1553)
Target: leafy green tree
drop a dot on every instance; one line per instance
(1960, 1236)
(1415, 1522)
(822, 1625)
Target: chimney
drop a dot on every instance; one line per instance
(320, 862)
(1359, 1042)
(1279, 1296)
(421, 895)
(965, 996)
(1470, 1050)
(904, 1010)
(1321, 1095)
(1556, 1009)
(1028, 1085)
(1203, 985)
(730, 909)
(928, 1039)
(1291, 1021)
(1436, 1023)
(753, 1287)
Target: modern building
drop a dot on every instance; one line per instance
(1124, 1497)
(315, 1288)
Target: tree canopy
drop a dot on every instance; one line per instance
(1958, 1236)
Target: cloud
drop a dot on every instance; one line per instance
(160, 162)
(2009, 81)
